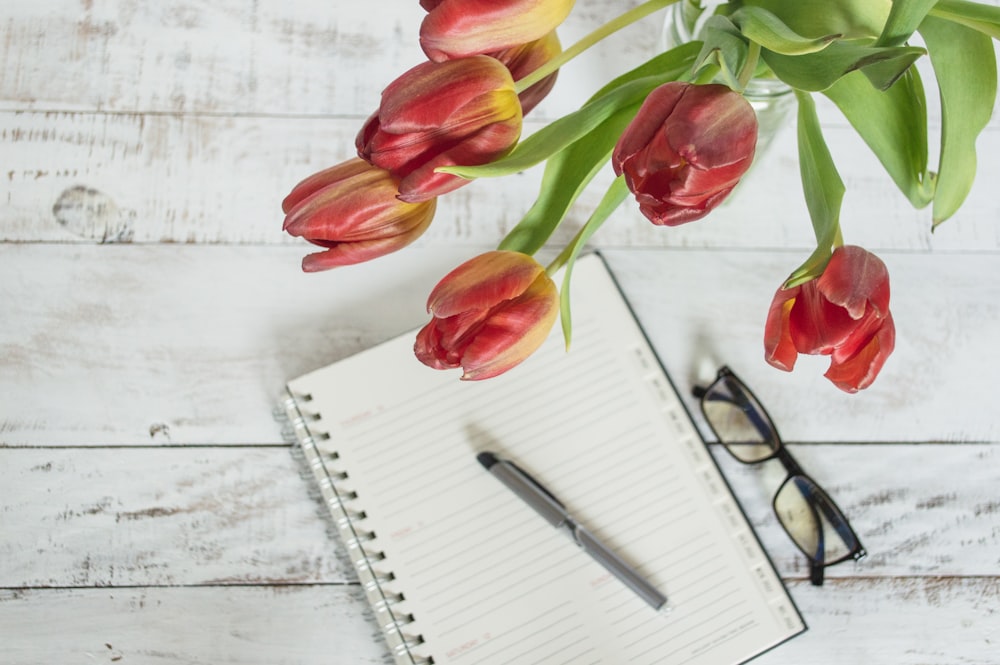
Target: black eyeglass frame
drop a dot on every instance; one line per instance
(819, 500)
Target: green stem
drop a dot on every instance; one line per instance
(612, 26)
(750, 66)
(563, 257)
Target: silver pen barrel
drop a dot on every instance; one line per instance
(615, 565)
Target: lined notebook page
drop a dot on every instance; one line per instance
(485, 579)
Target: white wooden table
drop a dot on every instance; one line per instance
(150, 511)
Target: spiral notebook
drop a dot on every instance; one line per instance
(459, 570)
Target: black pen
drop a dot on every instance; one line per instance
(546, 505)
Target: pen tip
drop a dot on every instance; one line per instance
(487, 459)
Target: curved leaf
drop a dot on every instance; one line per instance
(768, 30)
(979, 17)
(823, 189)
(724, 47)
(965, 67)
(566, 175)
(815, 72)
(671, 65)
(617, 192)
(904, 17)
(894, 125)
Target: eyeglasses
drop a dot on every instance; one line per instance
(807, 513)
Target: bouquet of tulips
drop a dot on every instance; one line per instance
(679, 135)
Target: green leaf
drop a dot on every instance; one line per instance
(815, 72)
(617, 192)
(566, 175)
(724, 47)
(965, 67)
(894, 125)
(765, 28)
(625, 91)
(904, 17)
(854, 19)
(670, 65)
(823, 189)
(979, 17)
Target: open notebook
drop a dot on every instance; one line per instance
(459, 570)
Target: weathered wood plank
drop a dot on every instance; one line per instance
(277, 57)
(263, 625)
(320, 625)
(155, 344)
(107, 178)
(107, 517)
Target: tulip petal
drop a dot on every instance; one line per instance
(685, 150)
(512, 332)
(779, 349)
(818, 326)
(489, 314)
(352, 210)
(458, 28)
(853, 278)
(461, 112)
(318, 181)
(860, 370)
(481, 282)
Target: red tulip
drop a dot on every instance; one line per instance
(460, 112)
(458, 28)
(352, 210)
(686, 149)
(523, 59)
(844, 313)
(489, 314)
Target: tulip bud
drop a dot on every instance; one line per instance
(523, 59)
(489, 314)
(458, 28)
(460, 112)
(844, 313)
(685, 150)
(352, 210)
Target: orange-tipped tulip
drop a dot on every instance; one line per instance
(460, 112)
(489, 314)
(352, 210)
(458, 28)
(686, 149)
(844, 313)
(524, 59)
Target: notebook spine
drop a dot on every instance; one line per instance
(396, 625)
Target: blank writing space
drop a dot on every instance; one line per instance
(486, 602)
(474, 567)
(551, 637)
(444, 528)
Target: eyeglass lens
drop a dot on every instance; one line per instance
(737, 419)
(813, 521)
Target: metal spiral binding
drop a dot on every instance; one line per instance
(306, 427)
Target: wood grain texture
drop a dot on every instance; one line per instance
(159, 344)
(135, 177)
(178, 516)
(152, 310)
(288, 625)
(321, 625)
(278, 57)
(115, 517)
(131, 121)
